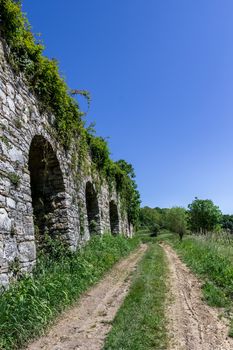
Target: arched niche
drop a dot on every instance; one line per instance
(114, 218)
(93, 213)
(47, 190)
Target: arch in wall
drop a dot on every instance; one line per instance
(92, 206)
(47, 190)
(114, 218)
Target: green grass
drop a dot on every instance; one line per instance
(212, 261)
(33, 303)
(140, 322)
(144, 236)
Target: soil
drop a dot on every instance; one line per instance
(86, 324)
(193, 325)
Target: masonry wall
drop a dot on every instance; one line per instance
(31, 183)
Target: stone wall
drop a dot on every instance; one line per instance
(38, 185)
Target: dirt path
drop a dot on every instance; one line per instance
(85, 326)
(193, 325)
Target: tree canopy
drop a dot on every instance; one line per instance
(204, 215)
(177, 220)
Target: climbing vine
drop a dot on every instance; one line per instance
(25, 54)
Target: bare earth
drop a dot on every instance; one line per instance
(193, 325)
(85, 326)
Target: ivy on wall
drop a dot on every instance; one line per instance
(25, 55)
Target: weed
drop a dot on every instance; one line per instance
(14, 178)
(14, 267)
(5, 140)
(18, 123)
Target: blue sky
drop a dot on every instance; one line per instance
(160, 73)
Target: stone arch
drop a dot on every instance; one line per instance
(92, 206)
(47, 190)
(114, 218)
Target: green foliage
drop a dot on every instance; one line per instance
(154, 230)
(144, 235)
(94, 227)
(227, 222)
(174, 219)
(42, 74)
(127, 168)
(52, 247)
(14, 267)
(148, 217)
(125, 183)
(140, 323)
(5, 140)
(99, 152)
(177, 221)
(214, 295)
(31, 304)
(14, 178)
(204, 216)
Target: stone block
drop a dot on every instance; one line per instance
(5, 221)
(10, 250)
(27, 251)
(10, 203)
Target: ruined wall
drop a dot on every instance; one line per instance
(38, 184)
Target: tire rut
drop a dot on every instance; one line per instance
(193, 325)
(86, 324)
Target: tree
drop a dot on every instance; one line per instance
(154, 229)
(149, 217)
(177, 220)
(127, 168)
(227, 222)
(129, 188)
(204, 216)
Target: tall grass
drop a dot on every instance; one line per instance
(33, 303)
(211, 258)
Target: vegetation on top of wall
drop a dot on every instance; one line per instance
(42, 74)
(25, 54)
(99, 151)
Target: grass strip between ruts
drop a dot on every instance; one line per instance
(140, 322)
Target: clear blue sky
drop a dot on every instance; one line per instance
(160, 73)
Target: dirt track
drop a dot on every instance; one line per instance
(84, 327)
(193, 325)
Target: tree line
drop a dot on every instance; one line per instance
(201, 216)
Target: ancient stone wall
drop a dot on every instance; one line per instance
(38, 186)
